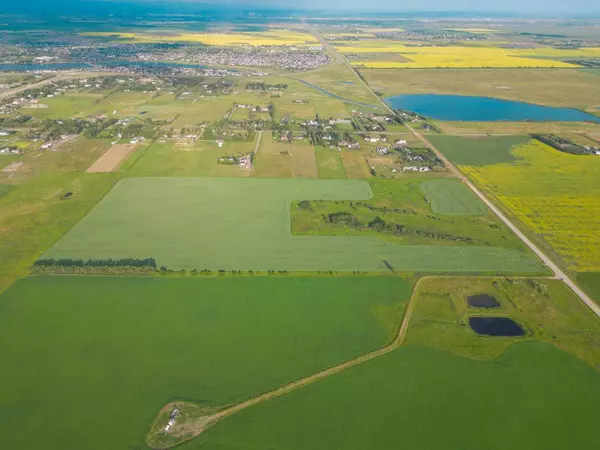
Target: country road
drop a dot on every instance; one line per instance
(559, 273)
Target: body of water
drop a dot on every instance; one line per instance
(484, 109)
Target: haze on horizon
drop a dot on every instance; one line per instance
(543, 8)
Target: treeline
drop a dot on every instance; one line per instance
(562, 144)
(262, 86)
(379, 225)
(123, 262)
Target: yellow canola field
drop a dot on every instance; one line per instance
(467, 57)
(554, 194)
(272, 37)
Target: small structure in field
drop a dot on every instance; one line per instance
(172, 418)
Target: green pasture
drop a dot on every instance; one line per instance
(401, 202)
(534, 396)
(452, 197)
(590, 282)
(546, 309)
(480, 151)
(190, 159)
(329, 163)
(89, 361)
(244, 224)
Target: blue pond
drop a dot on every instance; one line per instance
(484, 109)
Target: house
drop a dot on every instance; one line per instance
(220, 142)
(46, 146)
(400, 143)
(383, 150)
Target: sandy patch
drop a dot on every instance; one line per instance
(112, 158)
(13, 167)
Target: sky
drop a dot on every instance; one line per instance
(529, 7)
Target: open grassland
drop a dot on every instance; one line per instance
(453, 198)
(200, 158)
(546, 309)
(590, 282)
(566, 88)
(510, 128)
(533, 396)
(284, 160)
(212, 223)
(355, 164)
(95, 358)
(466, 57)
(33, 216)
(399, 212)
(329, 163)
(478, 151)
(260, 38)
(556, 195)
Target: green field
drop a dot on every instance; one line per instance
(480, 151)
(192, 159)
(329, 163)
(590, 282)
(533, 397)
(89, 361)
(5, 189)
(453, 198)
(237, 224)
(546, 309)
(399, 212)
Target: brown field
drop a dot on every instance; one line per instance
(112, 158)
(355, 164)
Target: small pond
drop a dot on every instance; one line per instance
(482, 301)
(484, 109)
(495, 326)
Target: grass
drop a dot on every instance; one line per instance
(329, 163)
(355, 164)
(402, 202)
(219, 223)
(480, 151)
(546, 309)
(276, 159)
(553, 194)
(533, 396)
(33, 217)
(81, 361)
(5, 189)
(564, 88)
(192, 159)
(590, 282)
(452, 197)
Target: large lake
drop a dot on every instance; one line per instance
(484, 109)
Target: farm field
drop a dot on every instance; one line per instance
(80, 360)
(590, 282)
(556, 195)
(329, 163)
(510, 128)
(451, 197)
(546, 309)
(452, 56)
(421, 397)
(260, 38)
(284, 160)
(200, 158)
(399, 212)
(136, 218)
(562, 88)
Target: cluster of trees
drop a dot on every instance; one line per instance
(379, 225)
(123, 262)
(262, 86)
(562, 144)
(14, 122)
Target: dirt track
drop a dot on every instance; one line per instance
(112, 158)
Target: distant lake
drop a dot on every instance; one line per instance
(484, 109)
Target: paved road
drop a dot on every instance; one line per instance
(559, 273)
(14, 91)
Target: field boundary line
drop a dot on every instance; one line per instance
(256, 151)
